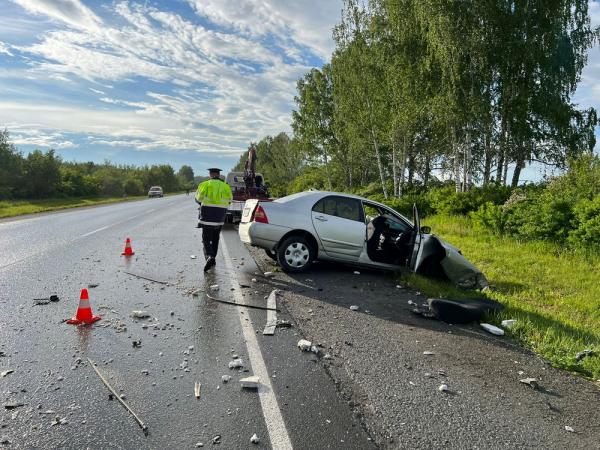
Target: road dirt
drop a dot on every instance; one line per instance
(389, 365)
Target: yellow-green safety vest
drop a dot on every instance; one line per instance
(214, 192)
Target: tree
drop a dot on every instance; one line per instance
(187, 173)
(11, 167)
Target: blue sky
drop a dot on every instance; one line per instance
(179, 81)
(143, 82)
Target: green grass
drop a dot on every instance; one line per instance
(552, 292)
(11, 208)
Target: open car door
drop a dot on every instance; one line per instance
(417, 239)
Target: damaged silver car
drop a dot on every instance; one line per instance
(314, 225)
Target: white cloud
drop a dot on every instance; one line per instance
(72, 12)
(5, 49)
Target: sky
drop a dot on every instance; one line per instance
(178, 82)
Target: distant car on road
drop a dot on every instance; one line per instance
(301, 228)
(155, 191)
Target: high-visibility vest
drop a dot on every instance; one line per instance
(214, 195)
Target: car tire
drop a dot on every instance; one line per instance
(271, 254)
(295, 254)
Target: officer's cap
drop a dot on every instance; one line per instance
(214, 169)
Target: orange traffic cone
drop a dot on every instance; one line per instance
(128, 250)
(84, 311)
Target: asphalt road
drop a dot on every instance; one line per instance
(54, 399)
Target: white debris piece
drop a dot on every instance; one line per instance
(398, 286)
(315, 350)
(250, 382)
(140, 314)
(530, 382)
(356, 272)
(569, 429)
(192, 256)
(353, 308)
(268, 274)
(428, 353)
(254, 280)
(443, 388)
(214, 287)
(509, 323)
(6, 372)
(226, 378)
(254, 439)
(304, 345)
(411, 303)
(492, 329)
(197, 387)
(236, 363)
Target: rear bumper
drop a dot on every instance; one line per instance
(261, 235)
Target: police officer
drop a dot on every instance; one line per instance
(214, 196)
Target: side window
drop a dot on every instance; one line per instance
(397, 225)
(346, 208)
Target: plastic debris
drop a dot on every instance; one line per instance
(199, 444)
(315, 350)
(356, 272)
(283, 324)
(569, 429)
(13, 405)
(254, 439)
(217, 439)
(236, 363)
(354, 308)
(137, 344)
(140, 314)
(214, 287)
(192, 256)
(443, 388)
(584, 354)
(6, 372)
(250, 382)
(268, 274)
(226, 378)
(304, 345)
(509, 323)
(197, 387)
(254, 280)
(428, 353)
(492, 329)
(398, 286)
(59, 421)
(530, 382)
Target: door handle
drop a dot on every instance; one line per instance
(321, 218)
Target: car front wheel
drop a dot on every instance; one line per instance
(295, 254)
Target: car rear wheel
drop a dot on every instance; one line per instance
(295, 254)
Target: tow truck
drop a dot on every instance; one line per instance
(244, 187)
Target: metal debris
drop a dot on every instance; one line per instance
(254, 439)
(197, 387)
(118, 397)
(304, 345)
(145, 278)
(492, 329)
(271, 314)
(236, 363)
(227, 302)
(250, 382)
(584, 354)
(532, 382)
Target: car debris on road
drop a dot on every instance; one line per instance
(254, 439)
(584, 354)
(531, 382)
(492, 329)
(304, 345)
(140, 314)
(250, 382)
(237, 363)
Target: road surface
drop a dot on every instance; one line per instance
(54, 399)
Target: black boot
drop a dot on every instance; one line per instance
(210, 263)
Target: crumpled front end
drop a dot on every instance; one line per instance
(460, 270)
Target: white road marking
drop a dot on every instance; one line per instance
(278, 434)
(271, 314)
(117, 223)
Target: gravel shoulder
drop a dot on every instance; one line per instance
(379, 366)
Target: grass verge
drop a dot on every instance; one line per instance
(553, 293)
(11, 208)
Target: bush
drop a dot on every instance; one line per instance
(133, 186)
(489, 217)
(446, 200)
(586, 233)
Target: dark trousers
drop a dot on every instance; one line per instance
(210, 240)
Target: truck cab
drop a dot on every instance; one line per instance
(244, 189)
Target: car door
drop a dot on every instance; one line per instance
(339, 224)
(418, 239)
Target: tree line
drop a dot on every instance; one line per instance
(419, 91)
(44, 174)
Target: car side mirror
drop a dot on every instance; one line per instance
(425, 230)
